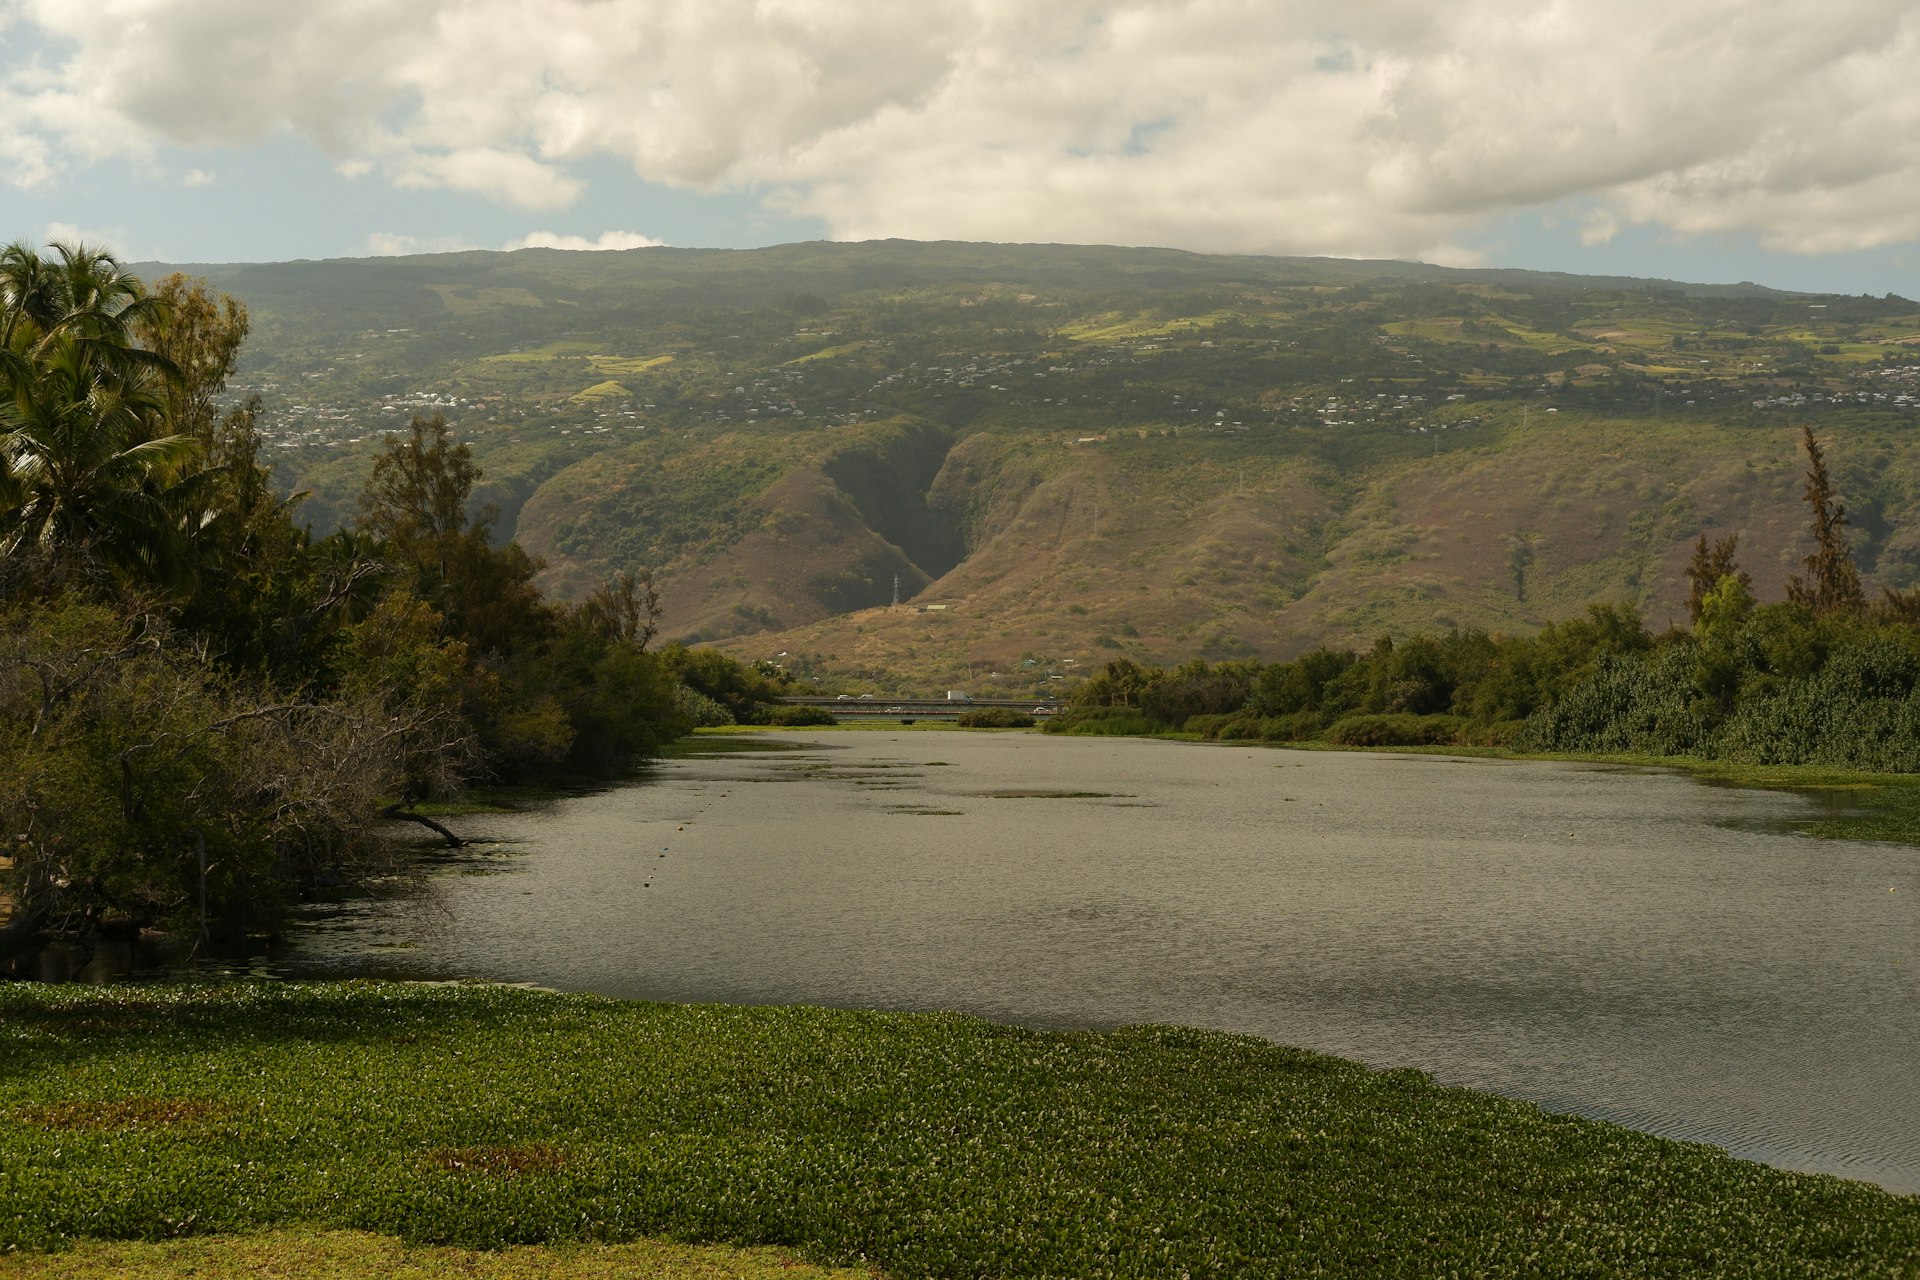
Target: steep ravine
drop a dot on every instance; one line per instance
(889, 477)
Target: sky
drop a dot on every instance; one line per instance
(1709, 140)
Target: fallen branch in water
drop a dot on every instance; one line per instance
(396, 811)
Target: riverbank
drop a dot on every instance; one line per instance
(924, 1144)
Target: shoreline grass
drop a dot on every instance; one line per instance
(482, 1117)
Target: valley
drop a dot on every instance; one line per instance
(1052, 456)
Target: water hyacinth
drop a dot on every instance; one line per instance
(928, 1144)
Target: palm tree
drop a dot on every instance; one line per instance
(90, 475)
(87, 293)
(89, 472)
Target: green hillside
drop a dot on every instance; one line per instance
(1089, 452)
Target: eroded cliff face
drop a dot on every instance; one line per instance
(890, 478)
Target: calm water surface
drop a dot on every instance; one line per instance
(1625, 944)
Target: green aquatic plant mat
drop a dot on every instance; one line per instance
(358, 1255)
(924, 1144)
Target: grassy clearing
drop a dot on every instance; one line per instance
(925, 1144)
(351, 1255)
(601, 391)
(626, 366)
(827, 353)
(564, 350)
(1118, 327)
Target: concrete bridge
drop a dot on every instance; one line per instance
(851, 708)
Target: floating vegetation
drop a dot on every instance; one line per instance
(932, 1145)
(506, 1162)
(1041, 793)
(710, 747)
(305, 1253)
(121, 1113)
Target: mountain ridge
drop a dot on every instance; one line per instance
(1093, 452)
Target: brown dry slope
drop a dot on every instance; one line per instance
(1095, 551)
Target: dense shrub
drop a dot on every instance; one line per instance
(1247, 726)
(142, 785)
(1500, 733)
(1209, 726)
(700, 711)
(994, 718)
(1116, 721)
(1859, 712)
(747, 692)
(793, 716)
(1629, 706)
(1396, 730)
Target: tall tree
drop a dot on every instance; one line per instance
(1712, 562)
(90, 473)
(1832, 582)
(1521, 553)
(416, 502)
(200, 334)
(416, 498)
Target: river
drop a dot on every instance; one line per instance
(1628, 944)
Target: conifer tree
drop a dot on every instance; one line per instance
(1832, 582)
(1712, 562)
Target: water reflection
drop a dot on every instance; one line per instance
(1624, 943)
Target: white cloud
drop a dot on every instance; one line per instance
(607, 240)
(113, 239)
(1320, 126)
(389, 244)
(505, 175)
(1598, 227)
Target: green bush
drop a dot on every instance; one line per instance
(790, 717)
(1117, 722)
(1396, 731)
(700, 711)
(995, 718)
(1501, 733)
(1629, 705)
(1860, 711)
(1209, 726)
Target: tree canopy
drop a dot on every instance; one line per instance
(203, 708)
